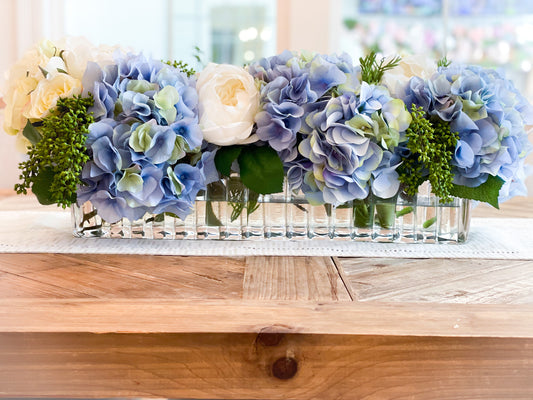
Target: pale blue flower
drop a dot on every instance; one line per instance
(292, 85)
(489, 115)
(147, 121)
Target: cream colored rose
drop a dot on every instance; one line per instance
(228, 102)
(78, 51)
(409, 66)
(48, 91)
(17, 101)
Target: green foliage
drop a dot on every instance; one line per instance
(372, 71)
(56, 158)
(487, 192)
(225, 157)
(432, 146)
(182, 66)
(349, 23)
(31, 133)
(443, 62)
(261, 169)
(198, 54)
(237, 199)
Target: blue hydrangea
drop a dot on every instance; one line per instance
(144, 139)
(135, 88)
(488, 113)
(124, 180)
(348, 147)
(292, 84)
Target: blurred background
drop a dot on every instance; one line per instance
(493, 33)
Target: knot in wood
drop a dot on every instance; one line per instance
(285, 368)
(269, 339)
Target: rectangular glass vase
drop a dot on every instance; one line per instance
(227, 210)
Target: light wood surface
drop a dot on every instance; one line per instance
(97, 326)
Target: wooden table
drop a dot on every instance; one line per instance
(323, 328)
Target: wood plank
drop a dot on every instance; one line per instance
(12, 285)
(236, 316)
(4, 193)
(293, 278)
(517, 207)
(111, 276)
(241, 366)
(439, 280)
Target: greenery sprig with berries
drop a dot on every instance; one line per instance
(57, 153)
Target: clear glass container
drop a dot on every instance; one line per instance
(228, 210)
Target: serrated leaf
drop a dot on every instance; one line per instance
(31, 133)
(487, 192)
(41, 186)
(225, 157)
(261, 169)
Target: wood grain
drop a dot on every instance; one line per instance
(236, 316)
(439, 280)
(237, 366)
(119, 276)
(293, 278)
(517, 207)
(99, 326)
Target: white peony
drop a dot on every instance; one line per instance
(228, 102)
(396, 78)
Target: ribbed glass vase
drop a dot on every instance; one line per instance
(227, 210)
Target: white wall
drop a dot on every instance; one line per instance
(309, 25)
(16, 38)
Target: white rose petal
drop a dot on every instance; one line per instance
(396, 78)
(48, 91)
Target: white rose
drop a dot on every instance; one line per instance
(17, 101)
(228, 102)
(54, 66)
(78, 51)
(48, 91)
(396, 78)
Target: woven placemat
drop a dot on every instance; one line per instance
(47, 231)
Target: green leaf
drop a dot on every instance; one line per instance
(41, 186)
(31, 133)
(385, 213)
(261, 169)
(225, 157)
(211, 218)
(486, 192)
(43, 71)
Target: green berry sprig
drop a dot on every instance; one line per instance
(182, 66)
(55, 161)
(432, 145)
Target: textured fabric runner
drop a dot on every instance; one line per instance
(47, 231)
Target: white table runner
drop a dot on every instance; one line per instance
(50, 231)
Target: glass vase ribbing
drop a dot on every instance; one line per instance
(228, 210)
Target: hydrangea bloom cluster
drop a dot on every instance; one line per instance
(337, 132)
(292, 85)
(489, 115)
(349, 146)
(334, 134)
(144, 146)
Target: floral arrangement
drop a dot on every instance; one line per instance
(134, 135)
